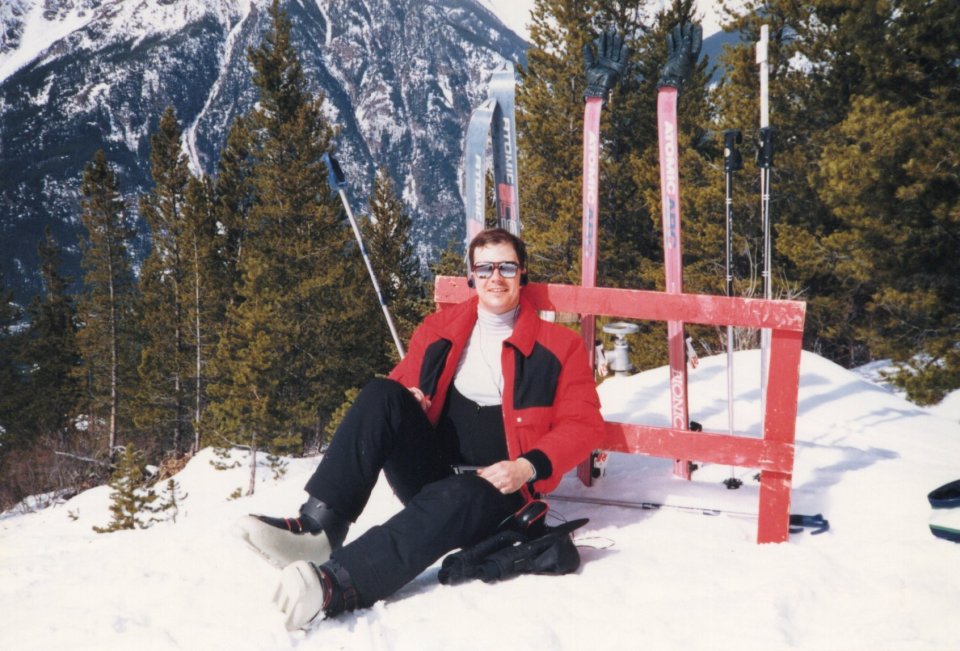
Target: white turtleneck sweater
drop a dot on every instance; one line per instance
(480, 375)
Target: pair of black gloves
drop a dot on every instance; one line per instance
(606, 58)
(515, 549)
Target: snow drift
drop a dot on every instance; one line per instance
(661, 579)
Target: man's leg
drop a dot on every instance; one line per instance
(384, 429)
(455, 512)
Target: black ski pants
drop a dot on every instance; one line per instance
(387, 429)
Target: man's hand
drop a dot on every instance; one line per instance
(683, 50)
(604, 69)
(421, 397)
(508, 476)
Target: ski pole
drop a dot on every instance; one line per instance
(338, 183)
(798, 521)
(732, 162)
(765, 162)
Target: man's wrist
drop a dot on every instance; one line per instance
(542, 468)
(531, 467)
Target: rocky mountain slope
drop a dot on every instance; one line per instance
(400, 78)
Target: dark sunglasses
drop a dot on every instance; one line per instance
(484, 270)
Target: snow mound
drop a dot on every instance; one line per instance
(660, 579)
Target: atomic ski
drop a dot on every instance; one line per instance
(493, 119)
(603, 70)
(591, 188)
(683, 49)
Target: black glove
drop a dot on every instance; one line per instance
(683, 50)
(604, 69)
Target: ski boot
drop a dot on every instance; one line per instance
(308, 592)
(311, 536)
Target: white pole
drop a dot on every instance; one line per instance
(764, 203)
(764, 75)
(373, 276)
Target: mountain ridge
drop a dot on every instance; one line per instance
(399, 79)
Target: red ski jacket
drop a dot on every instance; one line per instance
(550, 403)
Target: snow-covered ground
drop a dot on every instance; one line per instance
(662, 579)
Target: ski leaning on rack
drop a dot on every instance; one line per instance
(493, 119)
(603, 68)
(683, 50)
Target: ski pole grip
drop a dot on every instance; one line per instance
(335, 176)
(765, 150)
(732, 158)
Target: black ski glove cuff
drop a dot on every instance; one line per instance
(542, 467)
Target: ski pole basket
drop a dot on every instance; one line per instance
(773, 454)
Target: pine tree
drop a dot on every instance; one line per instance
(550, 131)
(11, 380)
(864, 172)
(233, 197)
(279, 365)
(207, 290)
(549, 136)
(51, 352)
(131, 503)
(171, 499)
(387, 239)
(106, 308)
(162, 404)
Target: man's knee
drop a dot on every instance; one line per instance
(468, 498)
(383, 391)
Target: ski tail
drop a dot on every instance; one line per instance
(504, 140)
(673, 261)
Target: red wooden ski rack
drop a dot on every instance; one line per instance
(772, 455)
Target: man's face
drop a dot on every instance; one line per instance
(497, 294)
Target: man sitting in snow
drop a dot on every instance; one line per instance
(486, 384)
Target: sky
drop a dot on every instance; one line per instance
(650, 579)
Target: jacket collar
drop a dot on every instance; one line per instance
(462, 320)
(526, 328)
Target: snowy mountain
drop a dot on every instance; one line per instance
(650, 579)
(400, 78)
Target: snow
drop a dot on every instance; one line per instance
(123, 20)
(664, 579)
(39, 34)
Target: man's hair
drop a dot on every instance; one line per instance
(498, 236)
